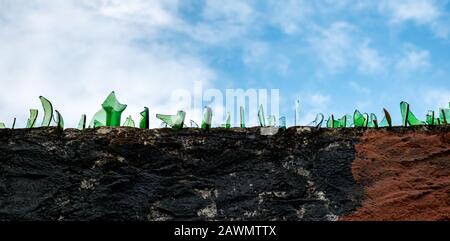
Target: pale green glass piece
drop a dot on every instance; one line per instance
(408, 117)
(227, 121)
(207, 118)
(282, 122)
(2, 125)
(174, 121)
(386, 121)
(82, 122)
(59, 121)
(430, 118)
(113, 110)
(242, 117)
(272, 121)
(373, 122)
(444, 115)
(163, 125)
(318, 121)
(343, 121)
(366, 119)
(99, 119)
(32, 120)
(358, 119)
(297, 113)
(348, 121)
(330, 122)
(129, 122)
(261, 118)
(48, 111)
(144, 123)
(194, 124)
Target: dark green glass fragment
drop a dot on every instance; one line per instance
(144, 123)
(174, 121)
(373, 122)
(59, 121)
(282, 121)
(343, 121)
(48, 111)
(129, 122)
(386, 121)
(32, 120)
(408, 117)
(14, 123)
(194, 124)
(227, 122)
(82, 122)
(207, 118)
(317, 122)
(261, 118)
(113, 110)
(430, 118)
(358, 119)
(444, 115)
(242, 117)
(330, 122)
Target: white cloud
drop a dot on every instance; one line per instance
(358, 88)
(290, 15)
(370, 60)
(413, 59)
(76, 54)
(420, 11)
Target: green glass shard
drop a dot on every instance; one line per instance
(163, 125)
(343, 121)
(358, 119)
(282, 122)
(2, 125)
(272, 121)
(59, 121)
(373, 122)
(407, 116)
(330, 122)
(430, 118)
(194, 124)
(82, 122)
(207, 118)
(129, 122)
(318, 121)
(366, 119)
(297, 113)
(32, 120)
(261, 118)
(444, 115)
(348, 120)
(144, 123)
(14, 123)
(174, 121)
(48, 111)
(386, 121)
(227, 121)
(99, 119)
(242, 117)
(113, 110)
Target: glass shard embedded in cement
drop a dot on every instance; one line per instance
(407, 116)
(59, 120)
(82, 122)
(129, 122)
(430, 118)
(194, 124)
(242, 117)
(207, 118)
(2, 125)
(261, 117)
(272, 121)
(358, 119)
(113, 110)
(227, 124)
(318, 121)
(32, 120)
(282, 122)
(373, 122)
(48, 111)
(14, 123)
(144, 123)
(386, 121)
(174, 121)
(444, 115)
(99, 119)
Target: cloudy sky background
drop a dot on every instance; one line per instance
(334, 55)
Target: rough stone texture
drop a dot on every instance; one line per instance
(161, 174)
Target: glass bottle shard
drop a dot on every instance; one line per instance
(317, 122)
(386, 121)
(407, 116)
(366, 119)
(227, 124)
(242, 117)
(207, 118)
(444, 115)
(272, 121)
(113, 109)
(144, 123)
(174, 121)
(297, 113)
(163, 125)
(82, 122)
(358, 119)
(59, 121)
(48, 111)
(32, 120)
(14, 123)
(261, 118)
(373, 122)
(194, 124)
(99, 119)
(282, 122)
(343, 121)
(330, 122)
(430, 118)
(129, 122)
(349, 121)
(2, 125)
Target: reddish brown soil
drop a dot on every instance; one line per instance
(406, 175)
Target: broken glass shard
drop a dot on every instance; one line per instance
(144, 123)
(82, 122)
(272, 121)
(282, 122)
(194, 124)
(113, 110)
(358, 119)
(242, 117)
(59, 120)
(373, 122)
(330, 122)
(386, 121)
(2, 125)
(48, 111)
(407, 116)
(129, 122)
(99, 119)
(32, 120)
(14, 123)
(430, 118)
(174, 121)
(318, 121)
(261, 118)
(444, 115)
(207, 118)
(227, 121)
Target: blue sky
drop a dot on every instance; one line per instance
(333, 55)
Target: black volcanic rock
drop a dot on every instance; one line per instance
(161, 174)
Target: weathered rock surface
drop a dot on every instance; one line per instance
(161, 174)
